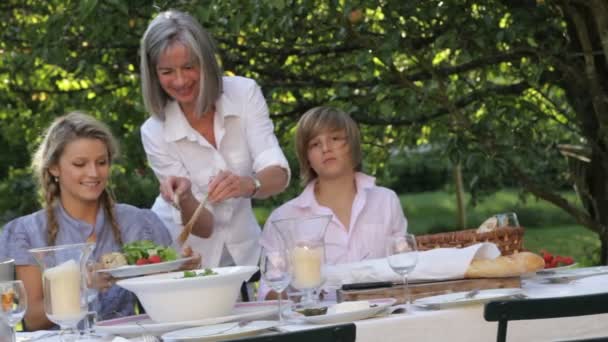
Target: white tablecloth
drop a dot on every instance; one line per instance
(466, 323)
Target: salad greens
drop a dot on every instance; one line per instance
(206, 272)
(144, 249)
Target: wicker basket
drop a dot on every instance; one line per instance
(508, 239)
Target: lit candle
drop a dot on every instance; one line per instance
(62, 285)
(307, 262)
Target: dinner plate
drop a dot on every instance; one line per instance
(142, 324)
(140, 270)
(376, 306)
(553, 270)
(568, 275)
(459, 298)
(219, 332)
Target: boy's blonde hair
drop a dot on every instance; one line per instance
(325, 119)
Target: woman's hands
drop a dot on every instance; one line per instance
(193, 264)
(227, 185)
(173, 185)
(223, 186)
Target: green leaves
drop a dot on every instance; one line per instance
(86, 8)
(486, 83)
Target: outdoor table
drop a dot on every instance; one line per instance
(466, 323)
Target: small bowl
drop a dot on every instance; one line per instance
(169, 297)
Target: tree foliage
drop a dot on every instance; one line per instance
(505, 88)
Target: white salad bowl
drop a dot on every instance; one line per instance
(170, 297)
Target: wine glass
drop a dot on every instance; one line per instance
(88, 323)
(276, 270)
(13, 302)
(507, 220)
(402, 258)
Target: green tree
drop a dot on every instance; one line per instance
(504, 88)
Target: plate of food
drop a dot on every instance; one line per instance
(343, 312)
(140, 258)
(219, 332)
(468, 297)
(143, 324)
(554, 270)
(567, 275)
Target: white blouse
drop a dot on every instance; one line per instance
(245, 144)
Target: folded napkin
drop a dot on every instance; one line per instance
(136, 339)
(435, 264)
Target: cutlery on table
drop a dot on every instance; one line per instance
(236, 325)
(471, 294)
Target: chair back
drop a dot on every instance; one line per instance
(538, 308)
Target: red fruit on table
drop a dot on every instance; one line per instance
(568, 261)
(142, 261)
(154, 259)
(548, 258)
(552, 264)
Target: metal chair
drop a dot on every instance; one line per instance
(539, 308)
(335, 333)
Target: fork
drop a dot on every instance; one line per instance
(240, 324)
(471, 294)
(146, 336)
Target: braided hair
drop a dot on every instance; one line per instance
(64, 130)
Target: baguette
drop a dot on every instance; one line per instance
(505, 266)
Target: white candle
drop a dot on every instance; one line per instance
(307, 262)
(62, 284)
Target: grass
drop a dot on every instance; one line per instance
(433, 212)
(547, 227)
(576, 241)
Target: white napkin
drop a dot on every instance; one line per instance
(435, 264)
(134, 339)
(120, 339)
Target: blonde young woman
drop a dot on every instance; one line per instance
(209, 133)
(72, 165)
(364, 215)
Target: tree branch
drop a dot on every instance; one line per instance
(474, 64)
(472, 97)
(581, 216)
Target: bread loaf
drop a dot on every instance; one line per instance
(113, 260)
(505, 266)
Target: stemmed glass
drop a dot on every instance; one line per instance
(88, 323)
(13, 302)
(507, 220)
(402, 258)
(276, 270)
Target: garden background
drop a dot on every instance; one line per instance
(467, 108)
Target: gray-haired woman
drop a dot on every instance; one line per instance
(208, 137)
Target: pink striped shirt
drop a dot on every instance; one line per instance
(376, 215)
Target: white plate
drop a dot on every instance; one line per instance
(379, 305)
(550, 271)
(567, 275)
(142, 324)
(139, 270)
(218, 332)
(458, 298)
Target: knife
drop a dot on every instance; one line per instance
(367, 286)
